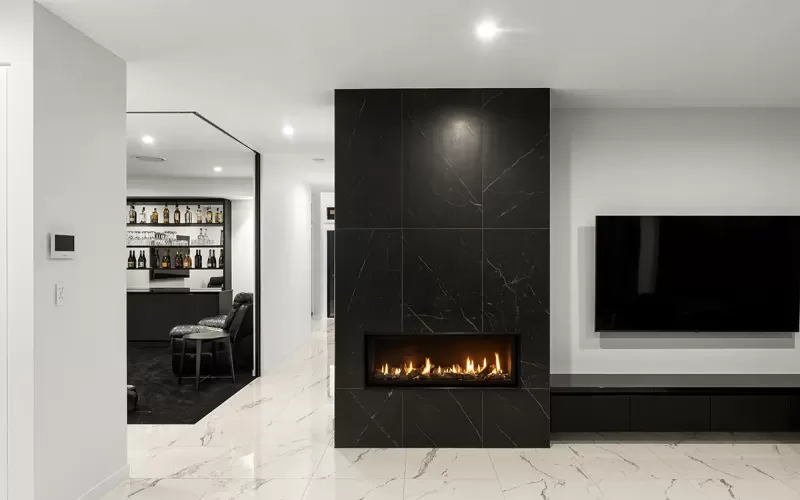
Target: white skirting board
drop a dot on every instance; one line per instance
(115, 479)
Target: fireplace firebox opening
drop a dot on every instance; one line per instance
(441, 360)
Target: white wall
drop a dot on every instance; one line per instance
(79, 173)
(231, 188)
(321, 202)
(16, 48)
(285, 263)
(243, 249)
(674, 161)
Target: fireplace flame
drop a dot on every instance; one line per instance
(471, 370)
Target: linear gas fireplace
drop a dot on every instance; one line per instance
(441, 360)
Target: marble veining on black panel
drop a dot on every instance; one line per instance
(516, 158)
(516, 419)
(442, 140)
(442, 418)
(441, 281)
(516, 291)
(368, 168)
(368, 295)
(368, 418)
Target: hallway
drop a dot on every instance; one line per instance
(274, 441)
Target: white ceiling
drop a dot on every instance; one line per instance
(253, 65)
(191, 146)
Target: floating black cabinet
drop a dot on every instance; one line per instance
(751, 413)
(667, 413)
(589, 413)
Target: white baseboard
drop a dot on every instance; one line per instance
(100, 489)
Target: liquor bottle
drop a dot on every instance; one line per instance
(166, 214)
(154, 216)
(199, 215)
(142, 261)
(198, 260)
(210, 262)
(217, 217)
(178, 260)
(132, 215)
(209, 216)
(155, 260)
(213, 259)
(142, 217)
(187, 261)
(222, 258)
(131, 260)
(177, 215)
(166, 262)
(187, 217)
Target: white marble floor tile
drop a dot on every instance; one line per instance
(264, 462)
(654, 489)
(553, 490)
(727, 489)
(176, 462)
(444, 463)
(355, 489)
(515, 467)
(461, 489)
(357, 463)
(150, 440)
(213, 489)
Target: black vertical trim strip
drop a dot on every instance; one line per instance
(257, 301)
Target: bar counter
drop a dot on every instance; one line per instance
(153, 312)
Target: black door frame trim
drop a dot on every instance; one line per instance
(257, 249)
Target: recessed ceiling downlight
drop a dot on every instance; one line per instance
(148, 139)
(149, 159)
(288, 130)
(487, 30)
(217, 169)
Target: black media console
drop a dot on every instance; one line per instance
(675, 403)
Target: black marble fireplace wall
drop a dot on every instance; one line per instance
(442, 225)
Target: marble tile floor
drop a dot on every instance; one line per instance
(274, 441)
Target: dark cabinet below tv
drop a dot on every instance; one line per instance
(774, 407)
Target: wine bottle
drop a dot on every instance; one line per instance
(209, 216)
(177, 215)
(166, 261)
(198, 260)
(210, 262)
(178, 261)
(132, 215)
(222, 258)
(214, 258)
(166, 214)
(154, 216)
(142, 217)
(217, 217)
(155, 260)
(187, 261)
(142, 261)
(187, 217)
(199, 215)
(131, 260)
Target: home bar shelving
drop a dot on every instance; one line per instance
(156, 301)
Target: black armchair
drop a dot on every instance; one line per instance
(238, 323)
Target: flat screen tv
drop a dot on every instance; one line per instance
(664, 273)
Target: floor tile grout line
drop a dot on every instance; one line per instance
(496, 475)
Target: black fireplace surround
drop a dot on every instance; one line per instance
(442, 254)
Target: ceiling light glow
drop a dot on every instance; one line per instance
(217, 169)
(148, 139)
(288, 130)
(487, 30)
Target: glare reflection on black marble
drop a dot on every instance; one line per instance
(442, 138)
(441, 280)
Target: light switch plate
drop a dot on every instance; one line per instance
(60, 294)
